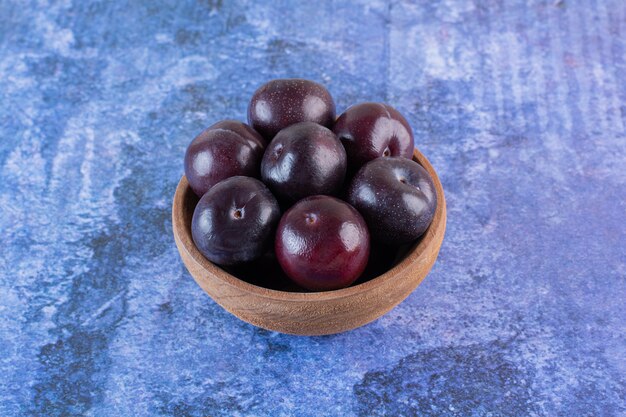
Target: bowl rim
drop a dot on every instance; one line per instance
(183, 235)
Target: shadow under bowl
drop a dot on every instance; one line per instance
(309, 313)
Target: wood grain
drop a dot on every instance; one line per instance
(311, 313)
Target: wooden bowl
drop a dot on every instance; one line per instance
(309, 313)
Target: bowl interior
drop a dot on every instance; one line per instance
(266, 272)
(265, 276)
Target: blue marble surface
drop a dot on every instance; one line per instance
(520, 106)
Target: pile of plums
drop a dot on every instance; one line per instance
(300, 188)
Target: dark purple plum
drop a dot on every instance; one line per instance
(235, 221)
(396, 197)
(304, 159)
(242, 130)
(322, 243)
(226, 149)
(373, 130)
(284, 102)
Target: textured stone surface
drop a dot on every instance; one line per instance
(520, 106)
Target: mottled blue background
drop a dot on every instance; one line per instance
(520, 106)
